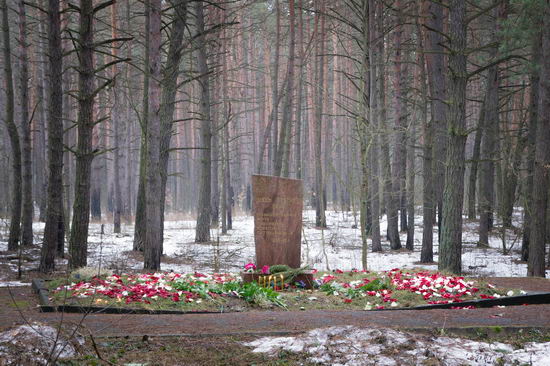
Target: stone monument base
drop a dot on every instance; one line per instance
(306, 278)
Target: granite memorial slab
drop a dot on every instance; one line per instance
(278, 205)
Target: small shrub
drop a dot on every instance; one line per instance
(87, 273)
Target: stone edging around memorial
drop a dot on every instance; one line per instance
(535, 298)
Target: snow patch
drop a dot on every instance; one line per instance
(350, 345)
(13, 284)
(337, 247)
(37, 344)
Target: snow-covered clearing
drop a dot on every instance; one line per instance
(350, 345)
(339, 246)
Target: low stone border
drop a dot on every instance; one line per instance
(38, 286)
(527, 299)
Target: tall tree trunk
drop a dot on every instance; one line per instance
(374, 30)
(400, 148)
(153, 236)
(286, 122)
(275, 88)
(78, 242)
(226, 181)
(531, 141)
(28, 207)
(450, 247)
(536, 263)
(116, 114)
(488, 147)
(40, 136)
(510, 170)
(15, 220)
(169, 89)
(320, 219)
(411, 176)
(54, 215)
(299, 92)
(428, 202)
(391, 191)
(474, 164)
(141, 214)
(365, 141)
(438, 96)
(202, 233)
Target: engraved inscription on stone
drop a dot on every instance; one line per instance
(277, 220)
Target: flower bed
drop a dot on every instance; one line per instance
(227, 292)
(397, 288)
(197, 291)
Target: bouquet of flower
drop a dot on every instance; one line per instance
(250, 268)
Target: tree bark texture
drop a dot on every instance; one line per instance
(536, 263)
(438, 95)
(169, 89)
(152, 249)
(54, 215)
(78, 242)
(16, 198)
(531, 143)
(286, 122)
(450, 247)
(488, 146)
(141, 214)
(320, 219)
(28, 206)
(202, 233)
(474, 164)
(374, 29)
(116, 114)
(428, 202)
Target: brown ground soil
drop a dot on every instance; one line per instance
(19, 305)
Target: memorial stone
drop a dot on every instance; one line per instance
(278, 204)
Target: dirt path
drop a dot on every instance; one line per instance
(272, 322)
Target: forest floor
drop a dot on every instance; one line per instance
(337, 247)
(512, 335)
(435, 337)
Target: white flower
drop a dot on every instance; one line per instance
(394, 304)
(522, 292)
(510, 293)
(312, 298)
